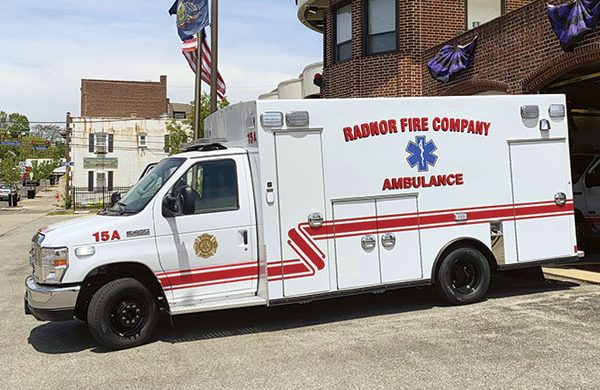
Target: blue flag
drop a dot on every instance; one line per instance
(192, 17)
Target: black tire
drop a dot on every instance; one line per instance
(463, 276)
(136, 309)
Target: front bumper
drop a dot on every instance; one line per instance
(50, 303)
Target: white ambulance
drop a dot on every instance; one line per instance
(297, 200)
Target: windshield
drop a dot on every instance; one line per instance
(144, 190)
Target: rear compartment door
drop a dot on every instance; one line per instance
(398, 236)
(301, 193)
(540, 170)
(376, 241)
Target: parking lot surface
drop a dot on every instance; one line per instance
(530, 333)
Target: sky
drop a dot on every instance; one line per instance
(47, 47)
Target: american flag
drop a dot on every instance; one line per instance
(190, 52)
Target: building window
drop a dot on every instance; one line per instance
(482, 11)
(179, 114)
(343, 33)
(101, 180)
(381, 19)
(101, 143)
(142, 140)
(90, 181)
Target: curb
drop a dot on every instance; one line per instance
(576, 274)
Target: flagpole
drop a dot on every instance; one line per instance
(197, 92)
(214, 28)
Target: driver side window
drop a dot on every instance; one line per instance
(592, 179)
(213, 184)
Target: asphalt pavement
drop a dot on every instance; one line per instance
(531, 333)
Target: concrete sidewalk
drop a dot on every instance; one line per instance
(29, 210)
(575, 274)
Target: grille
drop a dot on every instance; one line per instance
(35, 259)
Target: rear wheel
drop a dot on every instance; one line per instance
(463, 276)
(122, 314)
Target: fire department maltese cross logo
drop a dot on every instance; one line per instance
(421, 153)
(205, 246)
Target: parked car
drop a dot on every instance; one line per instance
(6, 190)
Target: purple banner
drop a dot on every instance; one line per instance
(572, 21)
(451, 60)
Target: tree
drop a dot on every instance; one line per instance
(204, 111)
(14, 124)
(41, 171)
(51, 133)
(181, 132)
(9, 171)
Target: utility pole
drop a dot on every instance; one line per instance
(197, 97)
(214, 36)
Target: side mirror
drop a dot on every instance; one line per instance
(114, 198)
(187, 200)
(170, 206)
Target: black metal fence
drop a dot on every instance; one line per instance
(97, 199)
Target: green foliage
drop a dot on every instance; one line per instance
(204, 111)
(26, 148)
(13, 124)
(9, 171)
(181, 132)
(41, 171)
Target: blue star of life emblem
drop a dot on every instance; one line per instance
(421, 153)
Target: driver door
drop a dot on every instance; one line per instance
(209, 254)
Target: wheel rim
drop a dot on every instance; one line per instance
(465, 276)
(128, 315)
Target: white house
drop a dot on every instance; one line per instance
(112, 152)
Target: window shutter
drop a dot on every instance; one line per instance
(91, 181)
(110, 180)
(111, 142)
(166, 143)
(91, 143)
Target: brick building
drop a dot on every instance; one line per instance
(123, 99)
(375, 48)
(122, 129)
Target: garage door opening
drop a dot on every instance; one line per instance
(582, 88)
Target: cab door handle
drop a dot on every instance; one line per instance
(244, 234)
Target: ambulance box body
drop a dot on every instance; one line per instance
(296, 200)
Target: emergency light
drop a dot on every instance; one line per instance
(296, 118)
(556, 111)
(530, 112)
(271, 119)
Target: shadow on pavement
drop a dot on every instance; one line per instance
(61, 337)
(73, 336)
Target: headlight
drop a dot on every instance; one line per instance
(55, 262)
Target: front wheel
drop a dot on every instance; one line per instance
(463, 276)
(122, 314)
